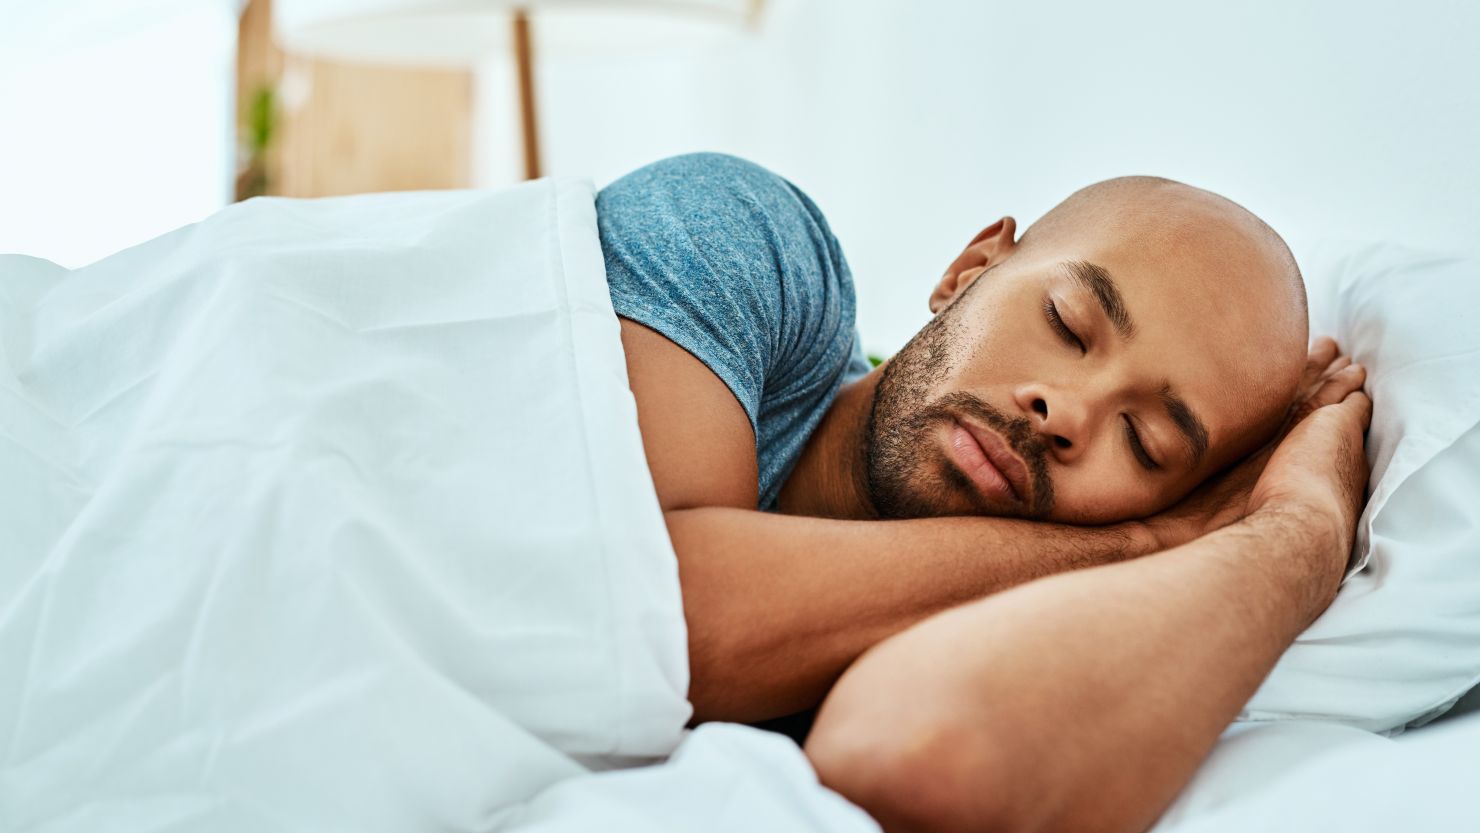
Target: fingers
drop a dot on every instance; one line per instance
(1323, 351)
(1340, 363)
(1354, 412)
(1341, 383)
(1348, 378)
(1360, 404)
(1328, 378)
(1324, 360)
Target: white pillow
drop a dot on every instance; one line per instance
(1401, 642)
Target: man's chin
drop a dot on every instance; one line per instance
(951, 496)
(976, 503)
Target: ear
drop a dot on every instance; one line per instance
(989, 247)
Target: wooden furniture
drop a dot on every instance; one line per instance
(345, 128)
(456, 33)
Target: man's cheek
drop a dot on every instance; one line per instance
(1088, 501)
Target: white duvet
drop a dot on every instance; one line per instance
(334, 515)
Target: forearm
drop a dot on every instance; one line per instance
(777, 606)
(1093, 695)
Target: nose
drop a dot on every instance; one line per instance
(1061, 418)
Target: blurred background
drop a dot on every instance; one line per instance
(912, 123)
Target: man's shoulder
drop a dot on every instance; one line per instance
(733, 263)
(713, 189)
(705, 165)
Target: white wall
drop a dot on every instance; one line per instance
(116, 121)
(913, 124)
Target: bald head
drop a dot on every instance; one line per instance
(1153, 211)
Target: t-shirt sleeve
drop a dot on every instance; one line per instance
(738, 267)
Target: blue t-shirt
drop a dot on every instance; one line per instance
(737, 266)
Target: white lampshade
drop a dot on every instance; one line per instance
(464, 32)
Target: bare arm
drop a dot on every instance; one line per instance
(777, 606)
(1084, 701)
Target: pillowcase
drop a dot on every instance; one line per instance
(1401, 642)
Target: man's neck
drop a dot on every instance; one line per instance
(830, 479)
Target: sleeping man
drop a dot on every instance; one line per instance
(1033, 564)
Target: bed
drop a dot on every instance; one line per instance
(280, 553)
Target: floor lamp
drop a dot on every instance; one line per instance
(459, 33)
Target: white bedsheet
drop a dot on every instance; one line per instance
(332, 515)
(1303, 776)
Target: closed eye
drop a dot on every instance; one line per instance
(1055, 321)
(1137, 449)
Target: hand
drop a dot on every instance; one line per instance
(1317, 476)
(1225, 498)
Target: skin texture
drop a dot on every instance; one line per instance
(1048, 635)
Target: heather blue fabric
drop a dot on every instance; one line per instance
(737, 266)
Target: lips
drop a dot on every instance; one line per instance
(1002, 458)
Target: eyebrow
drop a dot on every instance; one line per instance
(1098, 282)
(1194, 432)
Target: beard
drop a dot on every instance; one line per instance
(898, 445)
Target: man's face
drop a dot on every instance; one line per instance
(1084, 383)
